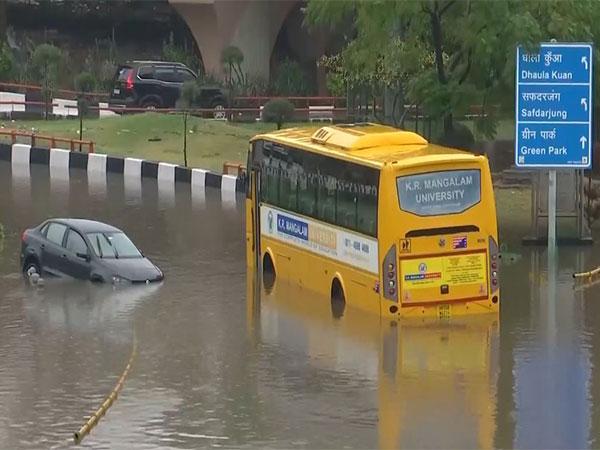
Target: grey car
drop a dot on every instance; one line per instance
(87, 250)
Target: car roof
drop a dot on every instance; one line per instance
(86, 226)
(156, 63)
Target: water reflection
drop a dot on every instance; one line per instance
(281, 370)
(83, 307)
(434, 383)
(552, 366)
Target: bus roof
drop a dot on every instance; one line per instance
(367, 143)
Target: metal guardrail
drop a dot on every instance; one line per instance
(74, 144)
(62, 92)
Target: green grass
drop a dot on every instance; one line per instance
(158, 137)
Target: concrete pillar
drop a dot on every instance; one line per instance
(252, 26)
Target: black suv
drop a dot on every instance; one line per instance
(157, 84)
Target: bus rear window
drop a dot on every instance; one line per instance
(439, 193)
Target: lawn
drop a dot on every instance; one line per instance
(157, 137)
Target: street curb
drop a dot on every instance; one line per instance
(98, 163)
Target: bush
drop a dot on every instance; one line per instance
(85, 82)
(278, 111)
(45, 62)
(460, 137)
(7, 63)
(190, 93)
(290, 79)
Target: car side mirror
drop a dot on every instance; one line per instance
(84, 256)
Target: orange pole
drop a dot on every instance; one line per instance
(32, 140)
(91, 144)
(13, 136)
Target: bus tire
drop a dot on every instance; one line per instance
(268, 270)
(338, 299)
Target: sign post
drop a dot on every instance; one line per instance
(554, 113)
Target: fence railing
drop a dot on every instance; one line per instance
(74, 144)
(62, 92)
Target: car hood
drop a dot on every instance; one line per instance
(133, 269)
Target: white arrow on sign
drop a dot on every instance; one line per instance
(583, 140)
(584, 103)
(584, 61)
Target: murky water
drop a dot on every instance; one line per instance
(222, 363)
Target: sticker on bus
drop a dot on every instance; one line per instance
(451, 271)
(341, 245)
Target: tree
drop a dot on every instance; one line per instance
(278, 111)
(232, 58)
(85, 83)
(7, 64)
(450, 54)
(290, 79)
(45, 63)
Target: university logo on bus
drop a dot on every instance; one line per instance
(292, 227)
(270, 221)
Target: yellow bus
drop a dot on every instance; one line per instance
(374, 217)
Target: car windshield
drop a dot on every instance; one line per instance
(113, 245)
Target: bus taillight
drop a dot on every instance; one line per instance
(390, 285)
(494, 255)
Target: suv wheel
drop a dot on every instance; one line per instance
(150, 103)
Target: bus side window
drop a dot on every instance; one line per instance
(367, 213)
(326, 199)
(270, 187)
(287, 186)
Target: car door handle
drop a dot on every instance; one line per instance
(43, 246)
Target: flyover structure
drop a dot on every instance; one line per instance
(255, 27)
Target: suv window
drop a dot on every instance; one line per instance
(123, 73)
(185, 75)
(56, 232)
(146, 73)
(165, 74)
(75, 243)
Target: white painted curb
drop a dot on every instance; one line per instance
(132, 167)
(228, 183)
(96, 163)
(199, 177)
(20, 154)
(59, 158)
(166, 172)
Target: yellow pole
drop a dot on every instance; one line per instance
(101, 411)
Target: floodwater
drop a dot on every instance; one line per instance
(220, 362)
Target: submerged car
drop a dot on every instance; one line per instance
(87, 250)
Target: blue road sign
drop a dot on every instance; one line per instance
(554, 106)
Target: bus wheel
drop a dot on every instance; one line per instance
(338, 299)
(268, 270)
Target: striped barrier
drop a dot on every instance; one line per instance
(61, 161)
